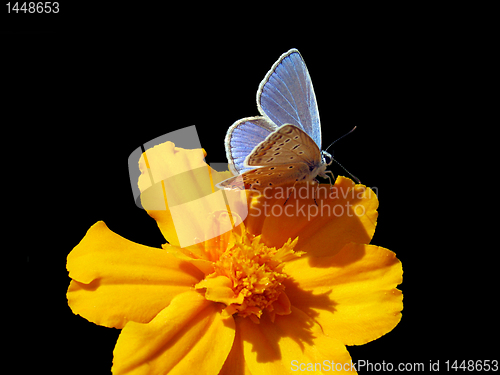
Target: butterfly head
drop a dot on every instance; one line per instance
(326, 158)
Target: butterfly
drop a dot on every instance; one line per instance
(283, 144)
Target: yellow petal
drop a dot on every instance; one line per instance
(116, 280)
(281, 347)
(188, 336)
(352, 295)
(205, 266)
(178, 191)
(235, 363)
(220, 289)
(324, 218)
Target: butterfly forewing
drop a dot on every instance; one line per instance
(286, 95)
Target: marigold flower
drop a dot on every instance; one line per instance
(288, 283)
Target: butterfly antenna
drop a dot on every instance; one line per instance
(338, 139)
(350, 174)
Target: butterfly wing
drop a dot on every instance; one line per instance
(286, 145)
(286, 155)
(286, 95)
(242, 137)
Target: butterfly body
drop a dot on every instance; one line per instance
(284, 144)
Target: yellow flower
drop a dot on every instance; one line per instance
(292, 284)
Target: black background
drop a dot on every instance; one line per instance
(84, 92)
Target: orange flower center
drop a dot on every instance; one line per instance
(254, 273)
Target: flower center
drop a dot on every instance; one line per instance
(255, 273)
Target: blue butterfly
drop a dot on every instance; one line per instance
(284, 143)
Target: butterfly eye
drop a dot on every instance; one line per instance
(327, 158)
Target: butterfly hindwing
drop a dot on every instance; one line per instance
(269, 176)
(242, 137)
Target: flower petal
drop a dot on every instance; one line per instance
(277, 348)
(178, 191)
(219, 289)
(324, 218)
(354, 292)
(235, 362)
(189, 335)
(116, 280)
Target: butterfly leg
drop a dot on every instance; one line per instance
(317, 188)
(330, 178)
(289, 195)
